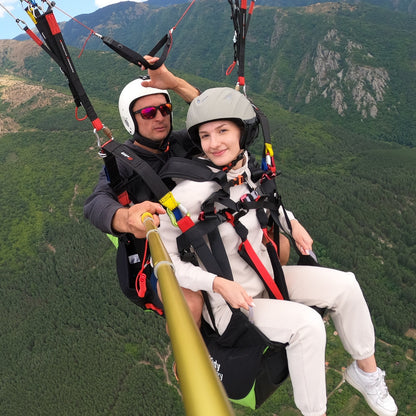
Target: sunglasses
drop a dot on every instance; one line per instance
(148, 113)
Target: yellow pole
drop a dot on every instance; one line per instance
(202, 391)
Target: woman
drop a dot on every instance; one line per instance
(222, 122)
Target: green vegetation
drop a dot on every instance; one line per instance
(72, 344)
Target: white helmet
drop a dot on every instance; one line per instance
(131, 92)
(222, 103)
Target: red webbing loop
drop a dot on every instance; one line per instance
(230, 68)
(124, 198)
(140, 283)
(271, 284)
(185, 223)
(230, 218)
(154, 308)
(97, 124)
(76, 115)
(53, 24)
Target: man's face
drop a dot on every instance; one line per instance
(158, 127)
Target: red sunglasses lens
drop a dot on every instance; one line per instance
(150, 112)
(165, 109)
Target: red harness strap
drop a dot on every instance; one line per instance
(268, 279)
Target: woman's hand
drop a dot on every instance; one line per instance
(302, 238)
(232, 292)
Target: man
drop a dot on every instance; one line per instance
(146, 112)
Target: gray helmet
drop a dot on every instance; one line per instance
(132, 92)
(222, 103)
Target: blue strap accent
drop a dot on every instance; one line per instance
(178, 214)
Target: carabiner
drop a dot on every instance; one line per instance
(101, 152)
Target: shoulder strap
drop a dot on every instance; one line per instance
(193, 169)
(116, 152)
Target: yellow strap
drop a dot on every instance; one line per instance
(169, 201)
(30, 13)
(269, 149)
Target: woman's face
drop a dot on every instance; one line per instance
(220, 141)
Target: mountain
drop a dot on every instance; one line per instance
(406, 6)
(326, 60)
(71, 343)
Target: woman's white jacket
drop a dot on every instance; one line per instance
(191, 195)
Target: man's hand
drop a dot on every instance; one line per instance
(129, 220)
(163, 79)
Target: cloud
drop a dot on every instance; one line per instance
(9, 5)
(103, 3)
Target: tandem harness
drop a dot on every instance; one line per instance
(133, 258)
(242, 345)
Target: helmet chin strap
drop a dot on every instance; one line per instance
(230, 165)
(161, 145)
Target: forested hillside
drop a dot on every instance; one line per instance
(71, 343)
(327, 60)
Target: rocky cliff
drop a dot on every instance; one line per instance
(340, 72)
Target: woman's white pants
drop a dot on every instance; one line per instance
(302, 328)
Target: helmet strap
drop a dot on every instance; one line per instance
(161, 145)
(230, 165)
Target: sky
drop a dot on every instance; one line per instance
(9, 28)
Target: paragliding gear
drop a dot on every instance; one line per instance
(135, 274)
(242, 345)
(134, 57)
(201, 244)
(241, 20)
(161, 145)
(119, 153)
(138, 285)
(129, 95)
(250, 366)
(148, 113)
(137, 59)
(54, 45)
(127, 53)
(222, 104)
(51, 33)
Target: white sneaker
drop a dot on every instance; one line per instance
(373, 389)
